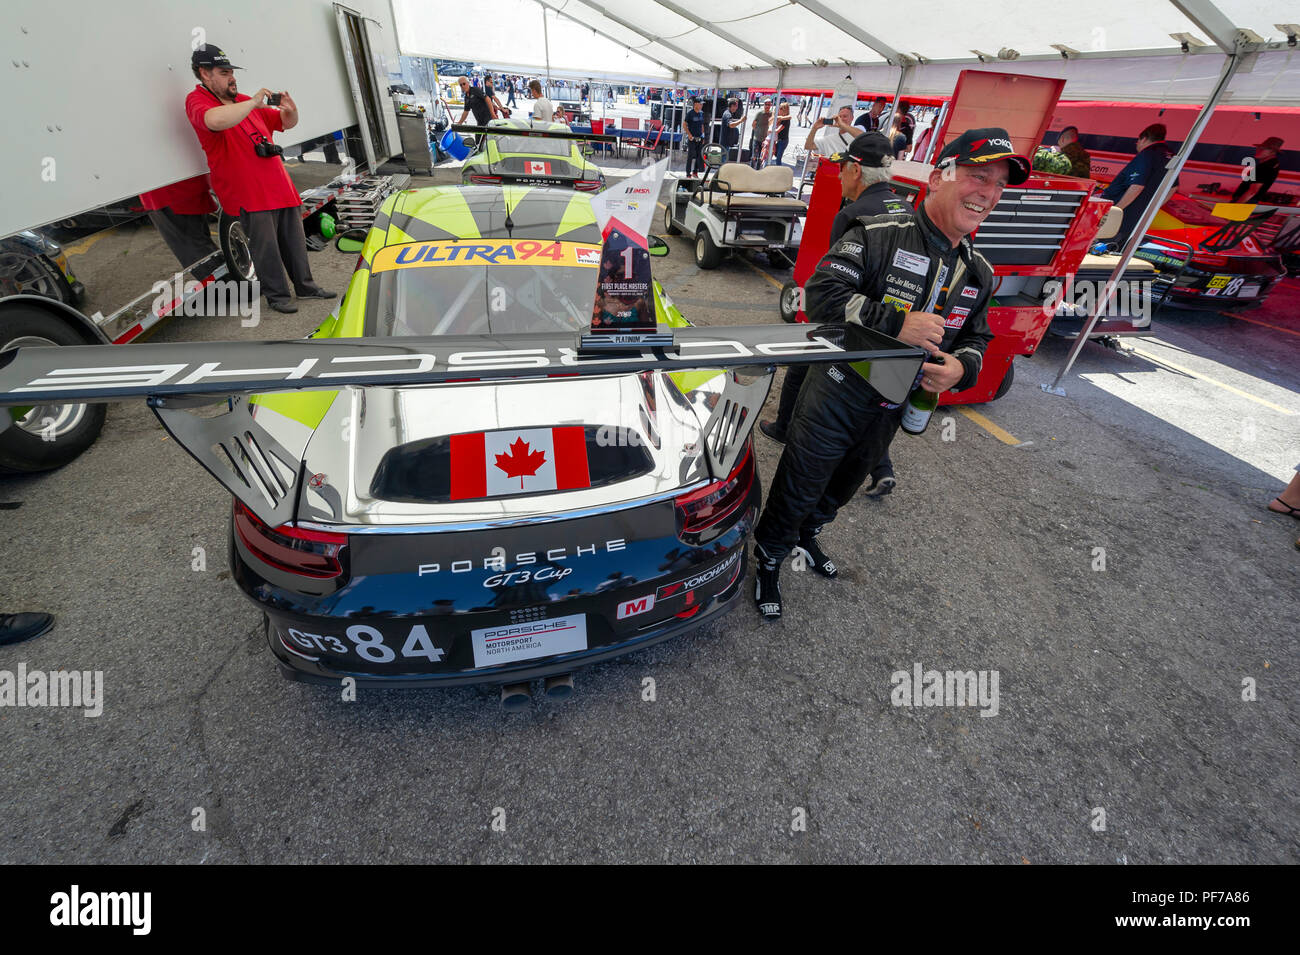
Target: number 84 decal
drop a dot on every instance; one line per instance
(369, 643)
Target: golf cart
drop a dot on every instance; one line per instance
(736, 207)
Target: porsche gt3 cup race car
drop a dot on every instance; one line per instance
(496, 530)
(531, 160)
(451, 483)
(1231, 264)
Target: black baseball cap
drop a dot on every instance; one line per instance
(210, 55)
(975, 147)
(868, 149)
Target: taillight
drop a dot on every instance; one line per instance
(298, 551)
(587, 185)
(709, 505)
(485, 180)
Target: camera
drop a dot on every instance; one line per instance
(273, 99)
(267, 149)
(828, 121)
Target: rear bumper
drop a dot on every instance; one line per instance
(386, 631)
(302, 671)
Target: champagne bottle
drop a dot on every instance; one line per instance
(916, 412)
(920, 406)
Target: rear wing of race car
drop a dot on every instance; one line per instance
(267, 475)
(534, 133)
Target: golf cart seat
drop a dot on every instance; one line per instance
(738, 186)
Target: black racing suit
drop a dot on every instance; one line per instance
(879, 270)
(876, 200)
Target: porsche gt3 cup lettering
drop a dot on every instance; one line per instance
(498, 562)
(541, 575)
(145, 378)
(532, 252)
(527, 641)
(366, 642)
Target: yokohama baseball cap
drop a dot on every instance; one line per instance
(975, 147)
(210, 55)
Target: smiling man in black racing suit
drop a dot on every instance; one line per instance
(918, 278)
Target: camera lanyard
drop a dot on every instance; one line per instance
(254, 135)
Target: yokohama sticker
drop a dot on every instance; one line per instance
(698, 580)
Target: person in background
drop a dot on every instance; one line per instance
(180, 214)
(733, 117)
(543, 108)
(510, 91)
(475, 102)
(805, 105)
(1136, 184)
(1069, 146)
(693, 130)
(782, 130)
(901, 128)
(1268, 162)
(831, 136)
(248, 174)
(870, 120)
(758, 133)
(489, 91)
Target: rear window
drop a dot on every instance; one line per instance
(533, 145)
(422, 289)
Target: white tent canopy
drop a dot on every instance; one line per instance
(1116, 49)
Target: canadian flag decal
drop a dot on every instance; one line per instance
(488, 464)
(537, 167)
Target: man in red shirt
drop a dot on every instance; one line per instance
(180, 214)
(248, 174)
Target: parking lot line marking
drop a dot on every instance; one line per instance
(761, 272)
(80, 248)
(1256, 321)
(1150, 356)
(1003, 436)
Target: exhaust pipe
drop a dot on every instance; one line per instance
(559, 687)
(516, 696)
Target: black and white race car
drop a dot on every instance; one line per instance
(444, 485)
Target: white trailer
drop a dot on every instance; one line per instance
(94, 97)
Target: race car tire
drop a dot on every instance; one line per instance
(43, 437)
(1007, 379)
(788, 303)
(234, 246)
(707, 254)
(669, 227)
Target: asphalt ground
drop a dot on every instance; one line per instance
(1121, 734)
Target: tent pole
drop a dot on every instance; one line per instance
(546, 47)
(717, 81)
(1144, 221)
(776, 111)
